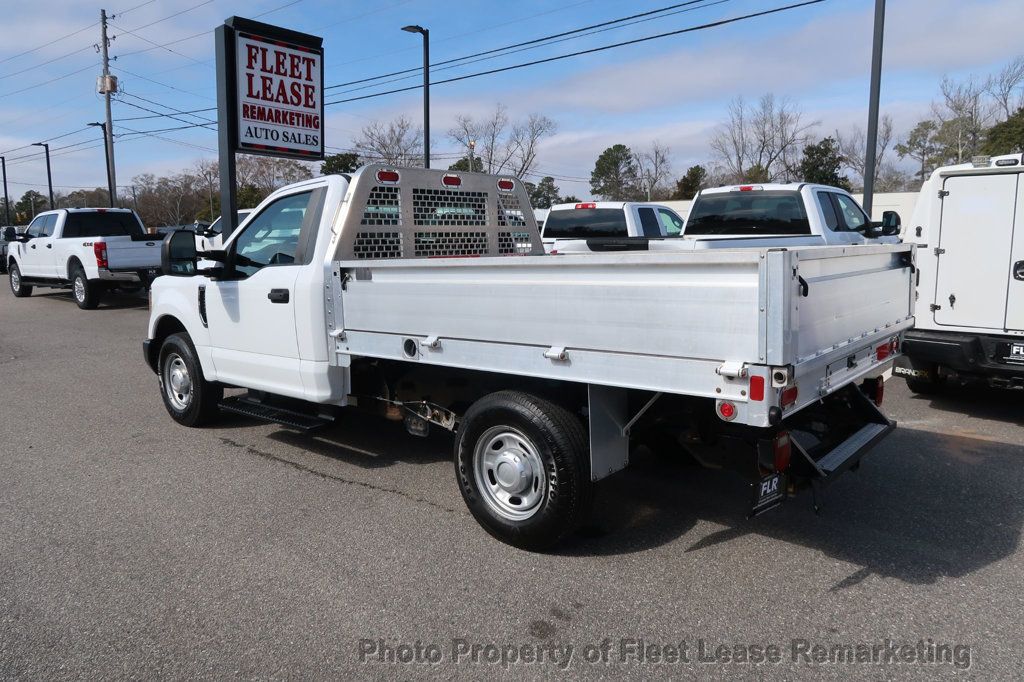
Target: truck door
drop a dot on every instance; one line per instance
(37, 252)
(252, 319)
(975, 234)
(1015, 281)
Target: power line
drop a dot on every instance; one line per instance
(602, 48)
(152, 133)
(49, 139)
(47, 82)
(167, 106)
(48, 43)
(156, 45)
(156, 82)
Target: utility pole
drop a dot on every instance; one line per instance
(876, 86)
(108, 85)
(472, 147)
(426, 89)
(7, 200)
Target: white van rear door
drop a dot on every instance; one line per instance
(975, 235)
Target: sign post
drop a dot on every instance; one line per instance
(270, 87)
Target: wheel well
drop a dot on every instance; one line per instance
(72, 262)
(165, 326)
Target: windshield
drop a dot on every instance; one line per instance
(101, 224)
(748, 213)
(586, 223)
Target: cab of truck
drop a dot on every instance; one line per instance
(608, 220)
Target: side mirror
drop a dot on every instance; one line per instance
(178, 254)
(10, 234)
(890, 223)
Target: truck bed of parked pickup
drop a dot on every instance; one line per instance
(87, 250)
(427, 295)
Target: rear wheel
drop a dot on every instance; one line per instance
(18, 287)
(522, 467)
(87, 294)
(190, 399)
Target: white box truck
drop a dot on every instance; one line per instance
(969, 228)
(427, 296)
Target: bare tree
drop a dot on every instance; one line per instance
(1003, 87)
(654, 170)
(963, 116)
(854, 147)
(765, 139)
(396, 143)
(503, 146)
(267, 173)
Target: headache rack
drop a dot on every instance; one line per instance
(419, 213)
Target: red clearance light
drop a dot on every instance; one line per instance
(883, 351)
(586, 205)
(783, 450)
(506, 185)
(450, 180)
(788, 396)
(387, 176)
(756, 388)
(726, 411)
(99, 249)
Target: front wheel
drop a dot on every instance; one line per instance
(523, 470)
(87, 293)
(18, 286)
(190, 399)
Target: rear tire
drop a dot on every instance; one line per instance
(190, 399)
(18, 287)
(523, 469)
(87, 293)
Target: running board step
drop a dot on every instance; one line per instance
(248, 407)
(855, 445)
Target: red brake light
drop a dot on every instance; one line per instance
(450, 180)
(506, 185)
(788, 396)
(882, 352)
(387, 176)
(99, 249)
(726, 411)
(586, 205)
(756, 388)
(783, 450)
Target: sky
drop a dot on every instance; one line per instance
(675, 90)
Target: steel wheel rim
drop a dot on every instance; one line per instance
(79, 288)
(16, 280)
(509, 473)
(177, 382)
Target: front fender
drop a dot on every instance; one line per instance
(176, 299)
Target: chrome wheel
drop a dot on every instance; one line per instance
(79, 288)
(509, 473)
(16, 280)
(177, 382)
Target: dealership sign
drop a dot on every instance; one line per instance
(274, 97)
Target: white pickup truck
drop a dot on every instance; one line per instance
(795, 214)
(87, 250)
(426, 296)
(607, 220)
(968, 225)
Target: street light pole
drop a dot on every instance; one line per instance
(49, 177)
(426, 89)
(7, 200)
(876, 86)
(106, 150)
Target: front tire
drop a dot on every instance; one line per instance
(190, 399)
(523, 469)
(18, 286)
(86, 293)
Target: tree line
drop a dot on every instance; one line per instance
(767, 140)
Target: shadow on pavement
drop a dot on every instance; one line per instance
(110, 301)
(923, 506)
(978, 401)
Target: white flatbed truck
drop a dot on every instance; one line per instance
(427, 296)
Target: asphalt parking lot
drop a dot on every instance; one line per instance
(131, 546)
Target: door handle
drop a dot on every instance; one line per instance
(49, 246)
(1018, 270)
(278, 295)
(33, 246)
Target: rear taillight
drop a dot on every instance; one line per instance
(388, 177)
(99, 249)
(788, 396)
(587, 205)
(756, 388)
(450, 180)
(782, 449)
(726, 410)
(883, 351)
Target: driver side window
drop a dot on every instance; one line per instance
(35, 228)
(851, 213)
(272, 237)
